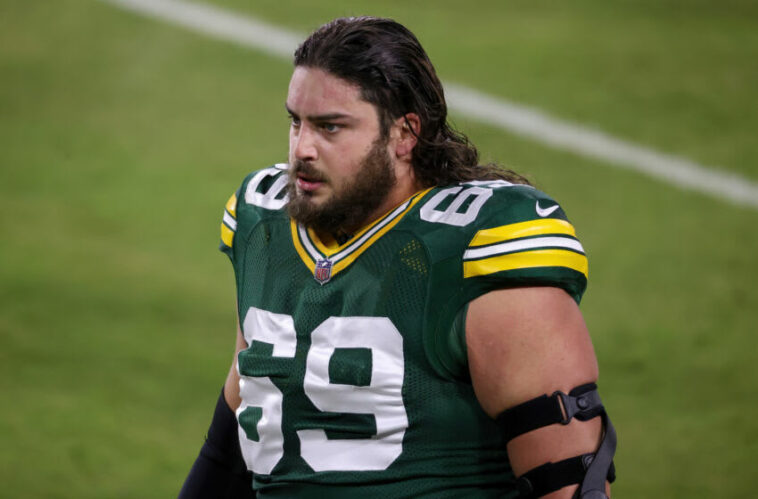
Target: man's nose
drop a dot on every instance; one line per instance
(303, 144)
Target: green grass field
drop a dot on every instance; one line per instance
(122, 137)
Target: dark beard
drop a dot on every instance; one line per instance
(348, 210)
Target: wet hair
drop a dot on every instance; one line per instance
(389, 65)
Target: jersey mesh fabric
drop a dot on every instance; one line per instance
(412, 276)
(451, 448)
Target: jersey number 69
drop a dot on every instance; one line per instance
(382, 396)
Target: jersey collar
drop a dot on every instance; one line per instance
(313, 250)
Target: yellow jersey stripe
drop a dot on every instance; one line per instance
(326, 247)
(537, 227)
(331, 246)
(360, 242)
(307, 260)
(227, 235)
(231, 205)
(392, 217)
(525, 260)
(350, 258)
(352, 249)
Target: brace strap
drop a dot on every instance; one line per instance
(589, 470)
(593, 485)
(582, 403)
(550, 477)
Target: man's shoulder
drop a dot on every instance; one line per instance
(265, 189)
(509, 203)
(499, 234)
(476, 205)
(262, 194)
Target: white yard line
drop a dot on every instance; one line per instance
(537, 125)
(219, 23)
(495, 111)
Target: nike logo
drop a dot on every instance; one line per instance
(543, 212)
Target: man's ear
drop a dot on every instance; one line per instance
(409, 127)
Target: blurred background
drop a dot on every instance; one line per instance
(121, 138)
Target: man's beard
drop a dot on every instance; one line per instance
(347, 209)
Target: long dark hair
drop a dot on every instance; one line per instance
(395, 74)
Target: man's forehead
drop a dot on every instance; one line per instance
(315, 91)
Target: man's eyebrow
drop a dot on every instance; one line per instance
(319, 117)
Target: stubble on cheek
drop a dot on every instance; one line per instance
(348, 206)
(301, 205)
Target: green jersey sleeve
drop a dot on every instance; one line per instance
(516, 236)
(229, 226)
(261, 191)
(524, 239)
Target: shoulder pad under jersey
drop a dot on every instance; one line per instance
(489, 235)
(522, 237)
(262, 192)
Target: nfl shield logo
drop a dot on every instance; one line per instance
(323, 271)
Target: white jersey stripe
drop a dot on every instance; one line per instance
(230, 221)
(309, 247)
(376, 228)
(524, 244)
(317, 255)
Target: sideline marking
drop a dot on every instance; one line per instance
(496, 111)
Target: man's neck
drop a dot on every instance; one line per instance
(343, 235)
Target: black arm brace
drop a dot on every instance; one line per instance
(590, 470)
(219, 471)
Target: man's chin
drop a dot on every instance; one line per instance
(306, 207)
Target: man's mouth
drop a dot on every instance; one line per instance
(307, 184)
(308, 181)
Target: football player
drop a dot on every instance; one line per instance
(409, 321)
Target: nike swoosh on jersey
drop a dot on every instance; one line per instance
(543, 212)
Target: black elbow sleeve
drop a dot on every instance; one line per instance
(219, 470)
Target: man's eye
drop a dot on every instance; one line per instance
(330, 127)
(294, 121)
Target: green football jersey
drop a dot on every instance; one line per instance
(355, 379)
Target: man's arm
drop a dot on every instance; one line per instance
(219, 470)
(523, 343)
(232, 385)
